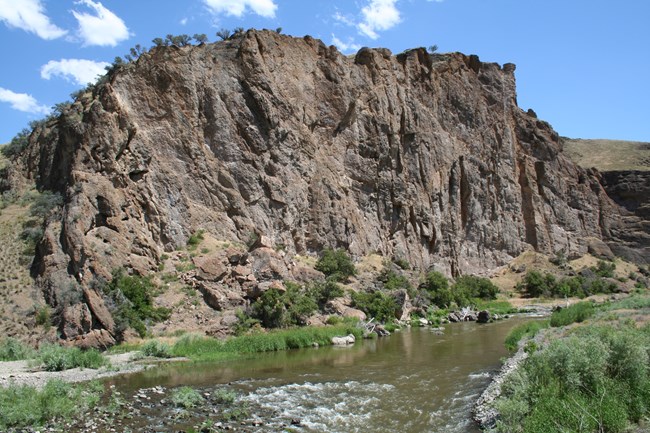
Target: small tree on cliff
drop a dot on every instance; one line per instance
(336, 264)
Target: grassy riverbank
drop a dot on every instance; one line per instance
(588, 372)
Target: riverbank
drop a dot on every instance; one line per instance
(588, 372)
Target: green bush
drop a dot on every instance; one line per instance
(132, 299)
(393, 281)
(195, 239)
(156, 349)
(26, 407)
(575, 313)
(375, 304)
(537, 285)
(437, 286)
(14, 350)
(45, 203)
(323, 291)
(17, 144)
(596, 379)
(53, 357)
(468, 287)
(336, 264)
(186, 397)
(604, 269)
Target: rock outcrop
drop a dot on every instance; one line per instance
(420, 156)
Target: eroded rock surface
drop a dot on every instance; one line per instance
(419, 156)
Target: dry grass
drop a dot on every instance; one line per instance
(608, 155)
(18, 296)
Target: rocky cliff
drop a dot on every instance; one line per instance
(419, 156)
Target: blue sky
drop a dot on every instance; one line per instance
(582, 65)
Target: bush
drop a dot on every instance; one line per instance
(575, 313)
(437, 285)
(45, 203)
(375, 304)
(195, 239)
(595, 380)
(156, 349)
(393, 281)
(132, 298)
(25, 406)
(537, 285)
(604, 269)
(336, 264)
(57, 358)
(470, 286)
(186, 397)
(17, 144)
(14, 350)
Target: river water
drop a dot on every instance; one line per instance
(413, 381)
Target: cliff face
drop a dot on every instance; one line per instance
(424, 157)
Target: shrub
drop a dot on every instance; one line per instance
(195, 239)
(45, 203)
(17, 144)
(156, 349)
(393, 281)
(132, 297)
(471, 286)
(186, 397)
(14, 350)
(536, 285)
(437, 285)
(57, 358)
(323, 291)
(271, 310)
(25, 406)
(336, 264)
(223, 396)
(42, 316)
(575, 313)
(375, 304)
(604, 269)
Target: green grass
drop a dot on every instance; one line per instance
(25, 406)
(156, 349)
(495, 307)
(635, 302)
(199, 348)
(525, 330)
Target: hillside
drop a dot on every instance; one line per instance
(608, 155)
(277, 147)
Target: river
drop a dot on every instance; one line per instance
(413, 381)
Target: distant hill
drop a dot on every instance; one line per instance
(608, 155)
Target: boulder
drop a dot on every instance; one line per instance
(221, 297)
(76, 320)
(483, 316)
(211, 268)
(98, 308)
(404, 305)
(343, 341)
(95, 339)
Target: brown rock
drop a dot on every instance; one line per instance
(95, 339)
(98, 308)
(425, 156)
(599, 249)
(211, 268)
(77, 320)
(221, 297)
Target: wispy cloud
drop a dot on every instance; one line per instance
(378, 15)
(265, 8)
(29, 15)
(343, 19)
(77, 71)
(22, 102)
(101, 26)
(346, 47)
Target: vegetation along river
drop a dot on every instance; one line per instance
(413, 381)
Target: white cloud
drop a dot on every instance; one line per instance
(100, 27)
(265, 8)
(345, 47)
(78, 71)
(29, 15)
(378, 15)
(22, 102)
(339, 17)
(183, 21)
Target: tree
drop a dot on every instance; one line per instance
(433, 48)
(17, 144)
(159, 42)
(336, 264)
(181, 40)
(201, 38)
(224, 34)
